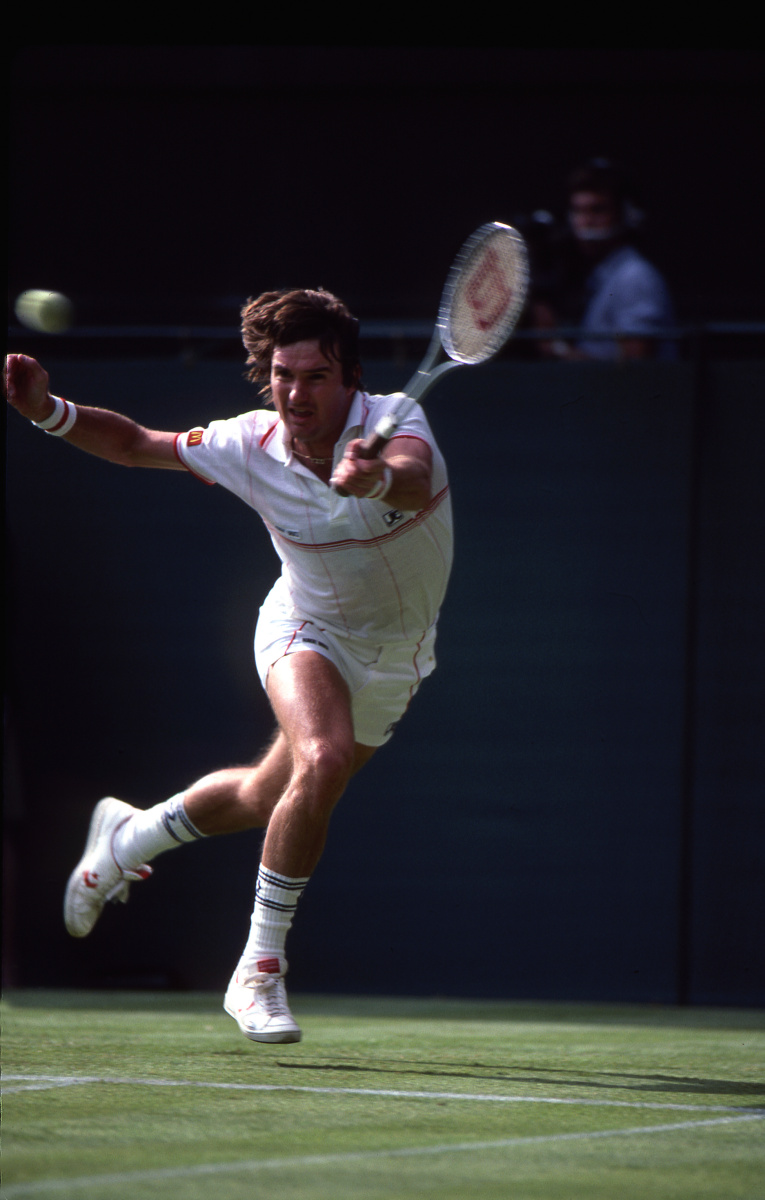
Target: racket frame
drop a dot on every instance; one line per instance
(441, 343)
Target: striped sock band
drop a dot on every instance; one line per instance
(176, 821)
(276, 899)
(149, 833)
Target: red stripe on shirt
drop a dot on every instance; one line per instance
(421, 516)
(268, 434)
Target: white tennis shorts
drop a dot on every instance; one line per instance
(382, 679)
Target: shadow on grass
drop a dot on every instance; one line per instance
(541, 1075)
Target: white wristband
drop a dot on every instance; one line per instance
(381, 489)
(61, 419)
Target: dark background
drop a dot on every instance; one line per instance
(573, 807)
(187, 175)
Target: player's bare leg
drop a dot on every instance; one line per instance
(239, 798)
(313, 708)
(304, 771)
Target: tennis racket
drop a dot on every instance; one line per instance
(483, 297)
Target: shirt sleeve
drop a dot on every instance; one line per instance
(185, 443)
(217, 453)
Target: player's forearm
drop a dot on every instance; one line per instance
(410, 483)
(107, 434)
(110, 435)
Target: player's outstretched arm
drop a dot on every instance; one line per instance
(97, 430)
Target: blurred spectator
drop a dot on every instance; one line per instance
(590, 275)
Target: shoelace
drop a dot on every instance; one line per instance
(273, 997)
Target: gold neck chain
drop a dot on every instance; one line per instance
(320, 462)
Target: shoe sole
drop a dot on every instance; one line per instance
(94, 832)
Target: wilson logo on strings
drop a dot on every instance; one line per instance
(488, 292)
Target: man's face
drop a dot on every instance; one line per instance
(310, 395)
(593, 216)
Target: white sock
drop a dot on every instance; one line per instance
(276, 899)
(149, 833)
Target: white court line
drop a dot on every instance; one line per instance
(39, 1082)
(130, 1179)
(39, 1087)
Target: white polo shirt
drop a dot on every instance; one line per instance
(359, 567)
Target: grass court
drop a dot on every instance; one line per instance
(153, 1095)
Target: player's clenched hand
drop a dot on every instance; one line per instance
(356, 475)
(26, 387)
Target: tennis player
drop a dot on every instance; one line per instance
(343, 640)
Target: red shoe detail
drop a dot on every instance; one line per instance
(268, 966)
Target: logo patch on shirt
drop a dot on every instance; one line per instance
(392, 516)
(195, 437)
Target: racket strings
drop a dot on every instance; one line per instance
(489, 289)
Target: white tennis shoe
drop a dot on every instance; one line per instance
(98, 877)
(258, 1004)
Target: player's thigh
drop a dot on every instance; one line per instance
(311, 702)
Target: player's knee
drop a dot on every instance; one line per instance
(327, 765)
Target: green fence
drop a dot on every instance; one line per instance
(573, 806)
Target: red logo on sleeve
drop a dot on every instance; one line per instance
(195, 437)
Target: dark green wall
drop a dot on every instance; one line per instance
(573, 806)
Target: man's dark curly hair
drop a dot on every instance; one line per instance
(287, 316)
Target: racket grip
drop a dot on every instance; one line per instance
(374, 445)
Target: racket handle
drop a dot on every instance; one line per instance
(374, 445)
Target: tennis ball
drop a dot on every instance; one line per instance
(47, 312)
